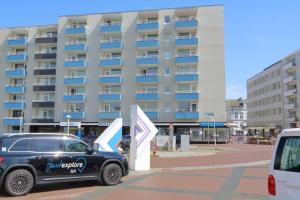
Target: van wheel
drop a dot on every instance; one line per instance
(18, 182)
(112, 174)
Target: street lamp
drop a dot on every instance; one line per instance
(68, 123)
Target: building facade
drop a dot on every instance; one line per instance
(272, 96)
(91, 68)
(236, 110)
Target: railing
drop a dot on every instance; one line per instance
(16, 38)
(76, 59)
(111, 41)
(148, 56)
(187, 73)
(77, 26)
(14, 69)
(111, 24)
(14, 101)
(185, 36)
(42, 117)
(146, 21)
(74, 110)
(75, 76)
(110, 110)
(15, 85)
(45, 52)
(190, 18)
(147, 39)
(73, 94)
(46, 36)
(111, 75)
(148, 74)
(43, 84)
(110, 58)
(187, 91)
(46, 67)
(151, 110)
(17, 53)
(75, 42)
(185, 54)
(43, 100)
(146, 92)
(187, 110)
(109, 92)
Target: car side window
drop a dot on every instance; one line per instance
(45, 145)
(20, 145)
(288, 154)
(74, 146)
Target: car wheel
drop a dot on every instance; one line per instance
(18, 182)
(112, 174)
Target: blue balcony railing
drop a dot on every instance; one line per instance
(147, 78)
(186, 59)
(186, 23)
(13, 121)
(17, 41)
(74, 114)
(14, 89)
(109, 62)
(75, 63)
(74, 80)
(110, 79)
(186, 77)
(151, 60)
(79, 30)
(110, 28)
(148, 43)
(16, 57)
(187, 115)
(114, 44)
(15, 73)
(147, 97)
(14, 105)
(186, 41)
(74, 97)
(147, 26)
(109, 115)
(152, 114)
(110, 97)
(187, 96)
(75, 47)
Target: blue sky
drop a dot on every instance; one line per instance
(257, 32)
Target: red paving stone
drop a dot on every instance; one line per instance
(252, 186)
(257, 172)
(250, 153)
(150, 195)
(199, 183)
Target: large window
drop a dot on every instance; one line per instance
(74, 146)
(21, 145)
(45, 145)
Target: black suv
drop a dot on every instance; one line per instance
(30, 159)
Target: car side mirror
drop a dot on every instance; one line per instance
(89, 150)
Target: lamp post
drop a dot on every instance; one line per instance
(68, 123)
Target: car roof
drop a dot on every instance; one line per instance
(290, 132)
(9, 135)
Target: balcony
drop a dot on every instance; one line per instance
(43, 87)
(110, 97)
(290, 106)
(14, 105)
(46, 39)
(110, 62)
(74, 97)
(16, 73)
(147, 26)
(147, 43)
(187, 96)
(79, 30)
(291, 119)
(182, 23)
(109, 114)
(289, 79)
(42, 119)
(17, 42)
(147, 60)
(75, 114)
(43, 104)
(111, 44)
(75, 63)
(152, 113)
(186, 41)
(186, 59)
(289, 66)
(14, 89)
(111, 28)
(75, 47)
(73, 80)
(44, 55)
(40, 71)
(147, 78)
(16, 57)
(110, 79)
(144, 96)
(289, 93)
(186, 114)
(186, 77)
(13, 121)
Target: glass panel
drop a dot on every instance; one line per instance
(21, 145)
(290, 160)
(45, 145)
(74, 146)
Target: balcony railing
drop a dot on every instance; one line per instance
(109, 114)
(13, 121)
(110, 96)
(42, 119)
(187, 114)
(14, 104)
(110, 27)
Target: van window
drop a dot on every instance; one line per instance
(21, 145)
(288, 154)
(45, 145)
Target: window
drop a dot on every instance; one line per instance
(167, 19)
(288, 154)
(167, 55)
(21, 145)
(74, 146)
(167, 71)
(45, 145)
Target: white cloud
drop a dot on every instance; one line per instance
(234, 92)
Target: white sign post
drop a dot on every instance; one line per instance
(142, 131)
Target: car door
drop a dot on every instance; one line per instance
(287, 168)
(80, 163)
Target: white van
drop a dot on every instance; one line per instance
(284, 178)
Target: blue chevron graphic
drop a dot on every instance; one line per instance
(115, 140)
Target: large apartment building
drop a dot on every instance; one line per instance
(91, 68)
(272, 96)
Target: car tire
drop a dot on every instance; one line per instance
(18, 182)
(112, 174)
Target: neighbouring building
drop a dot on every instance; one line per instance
(91, 68)
(237, 116)
(272, 97)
